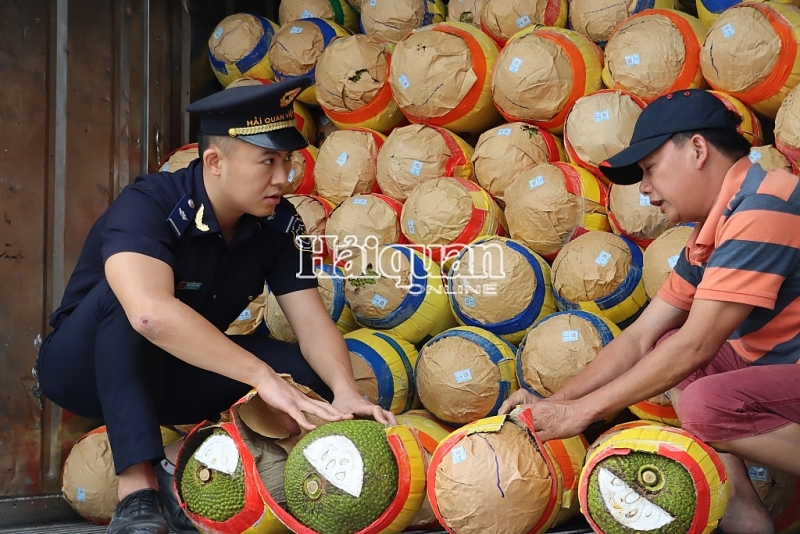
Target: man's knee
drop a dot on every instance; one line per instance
(703, 405)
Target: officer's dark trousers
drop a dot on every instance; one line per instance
(96, 365)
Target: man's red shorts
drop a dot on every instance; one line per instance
(730, 399)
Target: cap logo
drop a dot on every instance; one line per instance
(289, 96)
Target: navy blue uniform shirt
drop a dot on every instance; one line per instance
(168, 216)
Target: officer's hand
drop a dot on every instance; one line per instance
(290, 405)
(357, 406)
(521, 396)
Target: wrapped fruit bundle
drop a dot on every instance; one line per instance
(750, 126)
(501, 19)
(662, 255)
(301, 176)
(468, 12)
(347, 164)
(596, 19)
(391, 20)
(338, 11)
(770, 158)
(238, 47)
(314, 211)
(630, 214)
(780, 493)
(787, 129)
(180, 158)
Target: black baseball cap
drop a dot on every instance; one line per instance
(262, 115)
(682, 111)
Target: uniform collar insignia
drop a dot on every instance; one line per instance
(198, 219)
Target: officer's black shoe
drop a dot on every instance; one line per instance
(176, 518)
(139, 513)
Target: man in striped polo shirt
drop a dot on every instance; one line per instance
(723, 334)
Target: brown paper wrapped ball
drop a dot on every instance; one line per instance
(770, 159)
(545, 212)
(323, 126)
(600, 125)
(339, 11)
(314, 212)
(392, 20)
(240, 36)
(631, 214)
(466, 492)
(779, 491)
(596, 19)
(661, 256)
(501, 19)
(363, 221)
(250, 318)
(180, 158)
(466, 11)
(301, 176)
(505, 152)
(787, 126)
(559, 347)
(457, 379)
(346, 164)
(655, 52)
(577, 275)
(418, 152)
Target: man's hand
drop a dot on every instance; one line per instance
(357, 406)
(291, 405)
(551, 419)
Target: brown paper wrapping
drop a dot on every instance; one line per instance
(291, 10)
(363, 221)
(597, 19)
(504, 269)
(661, 50)
(769, 158)
(437, 387)
(269, 457)
(417, 148)
(440, 209)
(391, 20)
(90, 468)
(544, 218)
(600, 125)
(499, 159)
(366, 381)
(180, 160)
(324, 126)
(358, 152)
(787, 121)
(500, 16)
(661, 255)
(250, 318)
(241, 33)
(549, 360)
(542, 83)
(439, 70)
(634, 213)
(756, 45)
(350, 72)
(577, 275)
(275, 319)
(775, 488)
(293, 52)
(466, 11)
(299, 170)
(392, 277)
(311, 212)
(467, 492)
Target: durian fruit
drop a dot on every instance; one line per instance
(212, 484)
(647, 477)
(341, 477)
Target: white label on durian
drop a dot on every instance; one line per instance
(533, 183)
(380, 301)
(324, 120)
(602, 115)
(469, 301)
(504, 132)
(337, 459)
(404, 83)
(728, 30)
(219, 452)
(291, 176)
(165, 167)
(373, 3)
(410, 225)
(295, 29)
(307, 14)
(627, 507)
(516, 63)
(632, 60)
(673, 261)
(754, 156)
(458, 454)
(523, 21)
(568, 336)
(416, 167)
(602, 258)
(80, 494)
(644, 200)
(464, 375)
(245, 315)
(342, 159)
(218, 32)
(758, 473)
(360, 201)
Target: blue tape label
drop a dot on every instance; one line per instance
(523, 21)
(296, 29)
(458, 454)
(602, 115)
(404, 83)
(462, 376)
(218, 32)
(380, 301)
(360, 201)
(728, 30)
(416, 167)
(505, 132)
(632, 60)
(602, 258)
(342, 159)
(516, 63)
